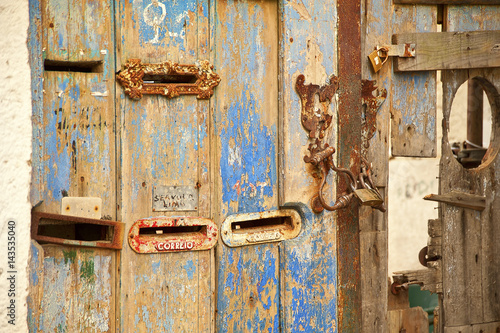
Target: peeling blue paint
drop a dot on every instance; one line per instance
(190, 269)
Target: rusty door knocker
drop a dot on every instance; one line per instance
(316, 121)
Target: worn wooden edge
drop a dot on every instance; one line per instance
(413, 320)
(450, 50)
(474, 328)
(459, 199)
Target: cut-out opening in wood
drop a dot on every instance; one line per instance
(73, 66)
(77, 231)
(470, 122)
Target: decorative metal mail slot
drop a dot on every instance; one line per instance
(263, 227)
(77, 231)
(172, 234)
(168, 78)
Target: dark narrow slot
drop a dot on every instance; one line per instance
(73, 66)
(170, 78)
(173, 230)
(267, 223)
(77, 231)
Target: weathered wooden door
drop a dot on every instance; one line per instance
(462, 253)
(164, 143)
(72, 46)
(227, 149)
(470, 298)
(235, 158)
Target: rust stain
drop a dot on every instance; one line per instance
(203, 239)
(316, 121)
(132, 79)
(349, 110)
(372, 97)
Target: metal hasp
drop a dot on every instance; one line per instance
(172, 234)
(381, 54)
(316, 121)
(168, 78)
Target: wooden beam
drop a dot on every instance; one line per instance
(450, 50)
(447, 2)
(459, 199)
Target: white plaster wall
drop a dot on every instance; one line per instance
(15, 154)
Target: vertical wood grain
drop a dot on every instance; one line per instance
(470, 273)
(164, 142)
(246, 125)
(413, 95)
(73, 154)
(78, 289)
(309, 46)
(376, 30)
(471, 239)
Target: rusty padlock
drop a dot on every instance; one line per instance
(368, 197)
(378, 58)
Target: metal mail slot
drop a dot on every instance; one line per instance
(78, 231)
(263, 227)
(172, 234)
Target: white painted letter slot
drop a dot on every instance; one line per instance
(263, 227)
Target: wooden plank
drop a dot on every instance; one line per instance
(478, 328)
(459, 199)
(77, 147)
(373, 281)
(376, 30)
(468, 18)
(74, 154)
(55, 17)
(450, 50)
(413, 122)
(78, 289)
(471, 237)
(309, 276)
(308, 269)
(35, 291)
(409, 320)
(246, 128)
(164, 143)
